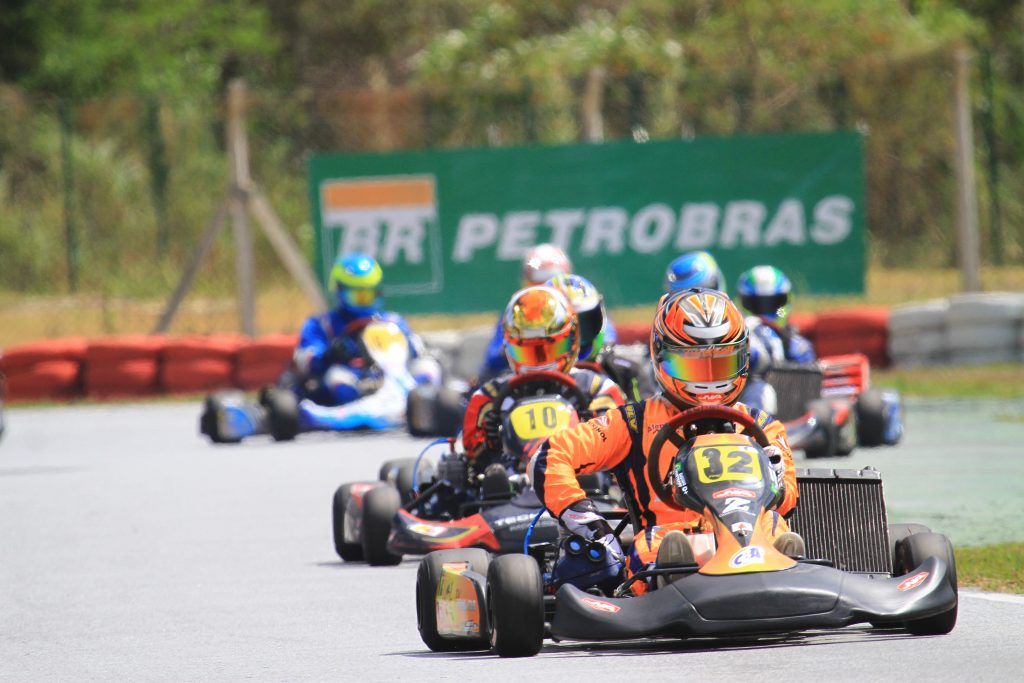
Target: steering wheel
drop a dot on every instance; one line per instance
(670, 432)
(528, 382)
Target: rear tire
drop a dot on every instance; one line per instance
(399, 473)
(515, 605)
(826, 446)
(427, 577)
(870, 410)
(282, 413)
(349, 552)
(379, 507)
(910, 553)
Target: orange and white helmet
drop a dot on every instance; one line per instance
(699, 347)
(541, 331)
(543, 262)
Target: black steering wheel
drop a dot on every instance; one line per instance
(529, 383)
(670, 432)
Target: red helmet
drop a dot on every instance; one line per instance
(541, 331)
(699, 347)
(544, 262)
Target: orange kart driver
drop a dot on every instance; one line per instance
(541, 332)
(700, 355)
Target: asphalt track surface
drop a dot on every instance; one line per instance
(131, 549)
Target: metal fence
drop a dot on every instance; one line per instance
(110, 198)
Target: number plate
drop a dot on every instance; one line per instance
(727, 463)
(381, 336)
(541, 419)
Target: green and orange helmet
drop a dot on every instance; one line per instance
(699, 348)
(355, 284)
(541, 331)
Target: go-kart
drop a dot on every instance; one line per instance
(290, 408)
(829, 407)
(416, 507)
(467, 600)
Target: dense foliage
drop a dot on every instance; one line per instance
(111, 115)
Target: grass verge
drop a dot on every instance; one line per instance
(999, 381)
(997, 568)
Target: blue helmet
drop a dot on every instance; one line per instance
(764, 292)
(355, 284)
(694, 269)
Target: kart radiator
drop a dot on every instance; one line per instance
(796, 386)
(841, 516)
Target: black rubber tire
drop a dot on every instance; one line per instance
(897, 532)
(822, 410)
(349, 552)
(399, 473)
(515, 605)
(910, 553)
(846, 434)
(870, 409)
(427, 577)
(282, 413)
(208, 423)
(379, 507)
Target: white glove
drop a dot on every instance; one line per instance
(778, 467)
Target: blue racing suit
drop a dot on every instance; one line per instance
(329, 366)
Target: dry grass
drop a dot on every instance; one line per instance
(282, 308)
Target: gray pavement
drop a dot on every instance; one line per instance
(131, 549)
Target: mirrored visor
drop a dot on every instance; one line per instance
(538, 351)
(359, 297)
(705, 364)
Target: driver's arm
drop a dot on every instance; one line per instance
(596, 445)
(310, 352)
(776, 433)
(474, 434)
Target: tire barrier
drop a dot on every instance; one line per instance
(199, 364)
(46, 370)
(261, 361)
(123, 367)
(864, 329)
(966, 329)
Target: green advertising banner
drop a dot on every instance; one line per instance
(450, 227)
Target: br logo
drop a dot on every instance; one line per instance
(392, 218)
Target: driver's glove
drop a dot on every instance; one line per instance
(344, 349)
(583, 519)
(492, 429)
(775, 457)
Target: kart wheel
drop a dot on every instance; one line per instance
(282, 413)
(897, 532)
(825, 437)
(399, 473)
(209, 421)
(870, 410)
(515, 605)
(434, 411)
(427, 577)
(910, 553)
(379, 507)
(349, 552)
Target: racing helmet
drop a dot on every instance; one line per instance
(699, 348)
(355, 284)
(764, 291)
(541, 331)
(589, 306)
(542, 262)
(693, 269)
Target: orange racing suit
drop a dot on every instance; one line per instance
(601, 391)
(619, 442)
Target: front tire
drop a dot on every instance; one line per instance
(910, 553)
(349, 552)
(282, 413)
(870, 410)
(515, 604)
(824, 445)
(379, 507)
(427, 577)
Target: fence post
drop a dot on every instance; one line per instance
(70, 228)
(967, 200)
(241, 182)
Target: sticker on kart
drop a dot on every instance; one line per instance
(727, 463)
(541, 419)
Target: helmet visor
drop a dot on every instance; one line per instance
(714, 363)
(538, 352)
(359, 297)
(766, 305)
